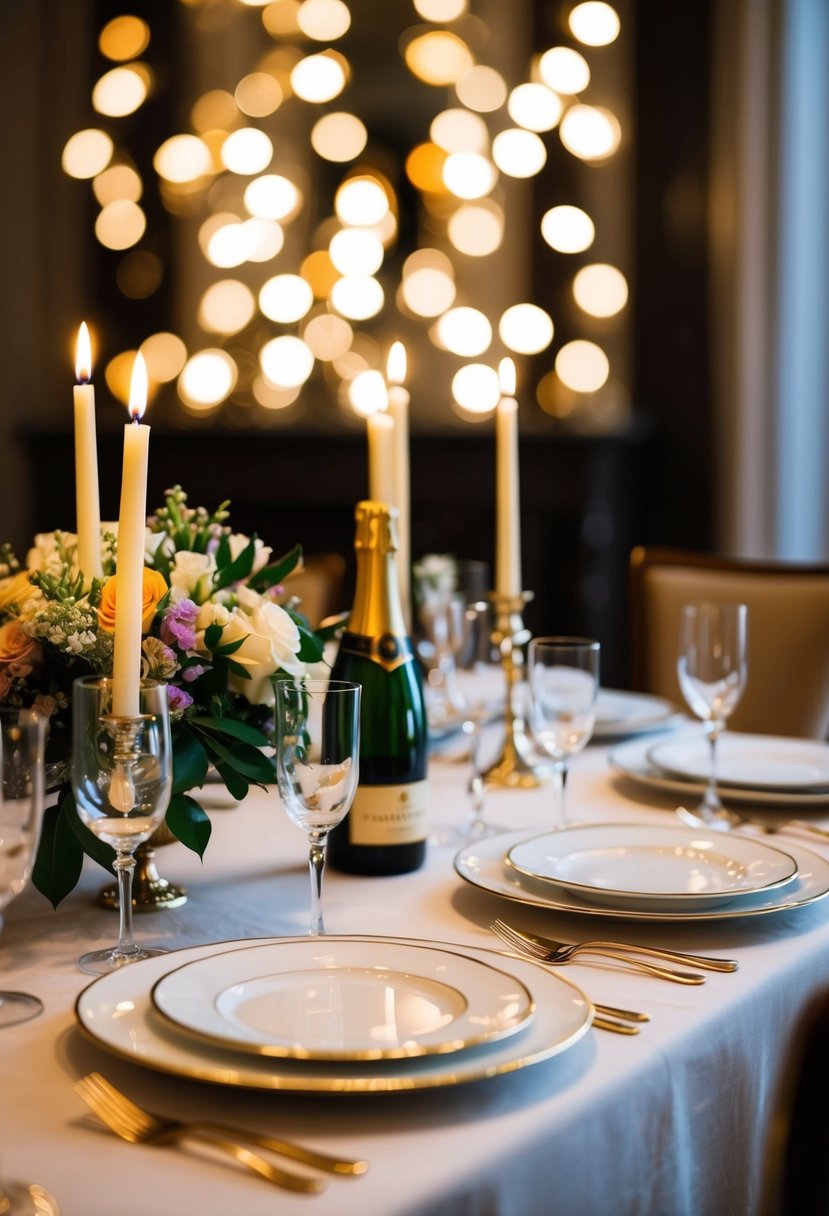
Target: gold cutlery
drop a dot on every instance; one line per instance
(560, 953)
(625, 1015)
(133, 1123)
(705, 962)
(600, 1023)
(608, 1017)
(737, 819)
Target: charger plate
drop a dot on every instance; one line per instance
(116, 1013)
(652, 867)
(483, 865)
(319, 999)
(759, 762)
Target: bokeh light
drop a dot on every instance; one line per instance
(257, 95)
(87, 153)
(124, 38)
(459, 130)
(120, 225)
(207, 379)
(339, 137)
(464, 331)
(438, 57)
(286, 361)
(428, 286)
(324, 20)
(117, 182)
(441, 11)
(519, 153)
(582, 366)
(272, 398)
(281, 18)
(226, 307)
(594, 23)
(535, 107)
(247, 151)
(367, 393)
(183, 158)
(361, 201)
(424, 168)
(356, 251)
(272, 197)
(357, 297)
(526, 329)
(318, 78)
(481, 88)
(476, 388)
(286, 298)
(600, 290)
(469, 175)
(320, 272)
(567, 229)
(328, 336)
(120, 91)
(590, 132)
(477, 229)
(564, 70)
(165, 355)
(215, 110)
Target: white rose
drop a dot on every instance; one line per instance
(191, 576)
(155, 542)
(270, 642)
(262, 553)
(44, 556)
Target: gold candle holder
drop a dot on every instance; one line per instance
(516, 767)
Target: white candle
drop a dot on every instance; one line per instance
(508, 518)
(399, 411)
(380, 431)
(129, 600)
(87, 503)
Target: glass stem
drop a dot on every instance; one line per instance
(124, 868)
(712, 799)
(559, 785)
(316, 865)
(476, 781)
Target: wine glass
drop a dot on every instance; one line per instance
(445, 621)
(122, 779)
(22, 736)
(712, 674)
(317, 764)
(563, 678)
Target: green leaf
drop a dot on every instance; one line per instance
(188, 821)
(234, 727)
(212, 636)
(310, 647)
(235, 785)
(337, 625)
(104, 854)
(59, 858)
(237, 570)
(190, 762)
(276, 571)
(230, 647)
(243, 758)
(237, 669)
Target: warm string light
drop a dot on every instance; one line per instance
(231, 164)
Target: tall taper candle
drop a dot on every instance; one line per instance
(399, 411)
(380, 432)
(87, 502)
(508, 517)
(129, 598)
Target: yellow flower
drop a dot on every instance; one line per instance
(154, 589)
(16, 590)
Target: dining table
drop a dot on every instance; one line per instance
(672, 1120)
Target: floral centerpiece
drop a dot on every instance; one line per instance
(214, 631)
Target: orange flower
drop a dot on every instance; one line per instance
(19, 654)
(154, 589)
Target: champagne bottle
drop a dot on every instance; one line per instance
(385, 830)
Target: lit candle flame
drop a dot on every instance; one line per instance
(83, 355)
(396, 364)
(506, 377)
(138, 388)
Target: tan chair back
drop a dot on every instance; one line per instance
(319, 586)
(787, 692)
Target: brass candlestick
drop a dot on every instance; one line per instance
(516, 767)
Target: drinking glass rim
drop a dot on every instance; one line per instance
(563, 642)
(316, 686)
(97, 681)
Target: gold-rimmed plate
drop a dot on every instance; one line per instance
(322, 999)
(116, 1013)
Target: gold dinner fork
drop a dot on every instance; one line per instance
(559, 954)
(133, 1123)
(705, 962)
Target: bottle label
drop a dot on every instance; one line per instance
(389, 814)
(389, 650)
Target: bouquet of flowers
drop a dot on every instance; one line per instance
(215, 632)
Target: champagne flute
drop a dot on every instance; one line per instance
(317, 764)
(712, 674)
(122, 779)
(22, 736)
(563, 677)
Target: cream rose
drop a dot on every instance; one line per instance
(270, 643)
(238, 542)
(44, 556)
(191, 576)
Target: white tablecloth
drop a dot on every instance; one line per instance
(672, 1121)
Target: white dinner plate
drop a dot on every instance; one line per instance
(319, 999)
(764, 762)
(631, 713)
(116, 1012)
(482, 865)
(647, 866)
(631, 760)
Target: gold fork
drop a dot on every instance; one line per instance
(705, 962)
(138, 1126)
(560, 954)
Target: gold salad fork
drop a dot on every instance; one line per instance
(133, 1123)
(559, 954)
(705, 962)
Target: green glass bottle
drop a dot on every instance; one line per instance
(385, 830)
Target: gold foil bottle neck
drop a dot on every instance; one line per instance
(376, 526)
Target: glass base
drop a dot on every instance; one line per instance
(27, 1199)
(18, 1007)
(704, 816)
(103, 962)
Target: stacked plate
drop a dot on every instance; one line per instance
(629, 713)
(756, 769)
(334, 1014)
(645, 872)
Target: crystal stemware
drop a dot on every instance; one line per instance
(563, 674)
(21, 811)
(122, 780)
(712, 671)
(317, 764)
